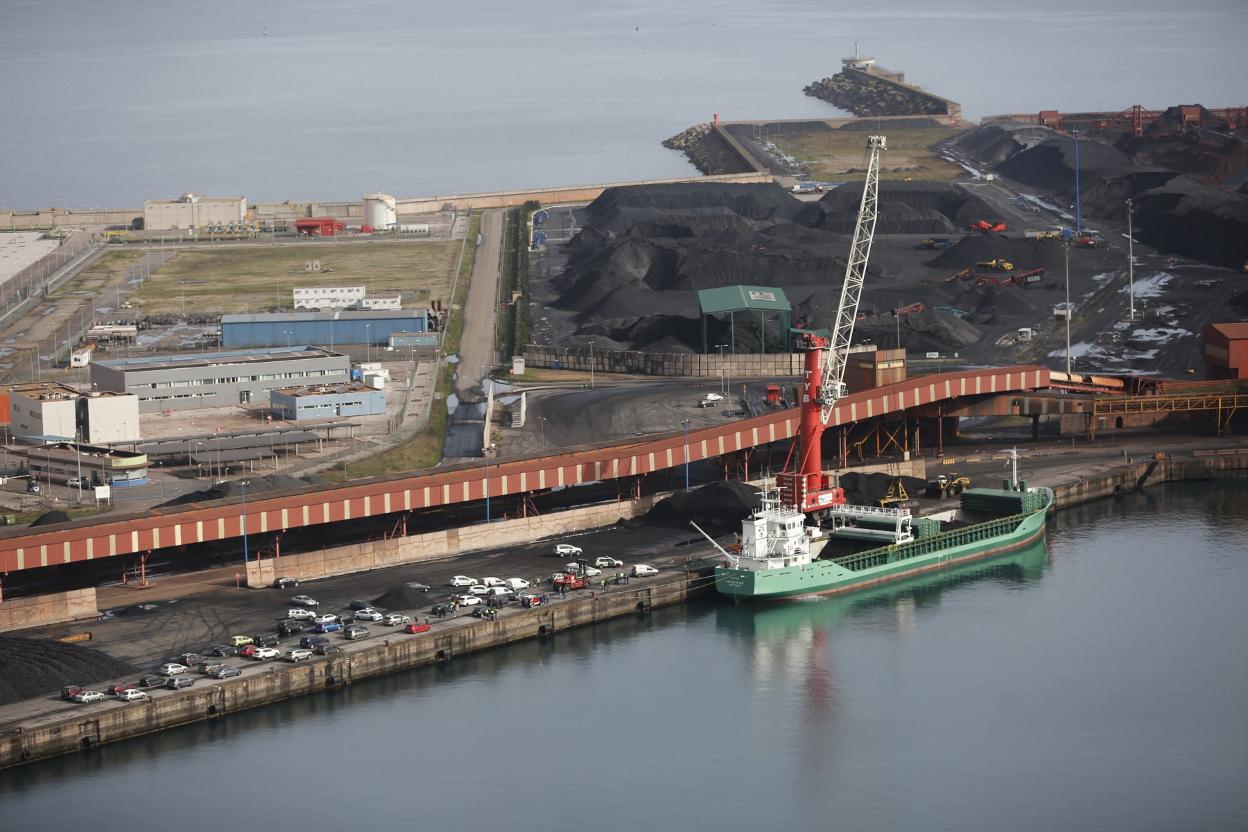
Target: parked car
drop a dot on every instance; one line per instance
(240, 641)
(567, 550)
(418, 586)
(266, 640)
(583, 569)
(499, 590)
(208, 668)
(441, 610)
(179, 682)
(189, 659)
(300, 614)
(462, 580)
(467, 600)
(84, 696)
(266, 653)
(152, 680)
(132, 695)
(223, 650)
(531, 600)
(491, 582)
(70, 691)
(298, 654)
(369, 614)
(328, 627)
(641, 570)
(172, 669)
(608, 563)
(326, 649)
(713, 397)
(113, 690)
(354, 631)
(285, 583)
(502, 599)
(412, 627)
(311, 642)
(304, 601)
(226, 671)
(325, 619)
(516, 583)
(289, 627)
(396, 620)
(360, 605)
(479, 589)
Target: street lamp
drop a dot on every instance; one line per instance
(243, 485)
(368, 343)
(1078, 207)
(541, 421)
(1131, 257)
(1068, 310)
(685, 422)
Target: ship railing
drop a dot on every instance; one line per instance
(883, 555)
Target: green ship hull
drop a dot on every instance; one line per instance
(887, 563)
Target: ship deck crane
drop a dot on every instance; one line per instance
(809, 488)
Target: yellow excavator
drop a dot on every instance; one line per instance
(946, 485)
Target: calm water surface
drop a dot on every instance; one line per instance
(111, 103)
(1098, 683)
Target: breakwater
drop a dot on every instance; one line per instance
(875, 91)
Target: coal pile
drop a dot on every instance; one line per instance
(50, 517)
(231, 489)
(992, 144)
(618, 209)
(869, 489)
(402, 597)
(904, 208)
(1025, 254)
(716, 506)
(1051, 164)
(34, 667)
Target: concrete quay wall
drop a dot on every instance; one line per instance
(741, 365)
(53, 608)
(210, 699)
(380, 554)
(1137, 475)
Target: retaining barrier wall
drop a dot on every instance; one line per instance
(41, 610)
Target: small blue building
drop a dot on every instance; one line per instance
(328, 401)
(282, 329)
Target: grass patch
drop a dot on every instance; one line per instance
(424, 448)
(109, 268)
(841, 155)
(260, 278)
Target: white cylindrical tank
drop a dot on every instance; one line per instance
(380, 211)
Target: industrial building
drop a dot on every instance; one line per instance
(276, 329)
(191, 211)
(387, 301)
(64, 462)
(751, 300)
(327, 297)
(328, 401)
(43, 411)
(1226, 351)
(107, 418)
(380, 211)
(217, 379)
(319, 227)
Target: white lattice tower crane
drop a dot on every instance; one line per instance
(824, 382)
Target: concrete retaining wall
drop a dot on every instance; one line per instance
(379, 554)
(210, 699)
(1142, 474)
(41, 610)
(741, 365)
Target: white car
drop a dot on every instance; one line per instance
(369, 614)
(491, 582)
(132, 695)
(88, 696)
(300, 614)
(641, 570)
(516, 583)
(326, 618)
(608, 563)
(263, 653)
(299, 654)
(396, 620)
(467, 600)
(591, 571)
(463, 580)
(305, 601)
(567, 550)
(172, 669)
(713, 397)
(478, 589)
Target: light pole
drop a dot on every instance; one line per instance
(723, 384)
(685, 422)
(1131, 259)
(1068, 310)
(243, 485)
(487, 490)
(541, 421)
(368, 343)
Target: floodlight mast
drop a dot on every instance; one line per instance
(809, 489)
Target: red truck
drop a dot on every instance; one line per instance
(568, 582)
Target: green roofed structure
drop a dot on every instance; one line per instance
(733, 299)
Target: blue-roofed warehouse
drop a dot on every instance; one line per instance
(281, 329)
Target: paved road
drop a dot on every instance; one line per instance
(476, 351)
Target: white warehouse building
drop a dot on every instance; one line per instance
(191, 211)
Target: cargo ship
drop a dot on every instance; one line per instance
(781, 556)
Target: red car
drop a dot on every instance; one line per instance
(113, 690)
(416, 628)
(248, 650)
(69, 692)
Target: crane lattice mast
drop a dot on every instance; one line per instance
(824, 385)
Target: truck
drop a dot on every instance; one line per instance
(936, 243)
(568, 582)
(806, 188)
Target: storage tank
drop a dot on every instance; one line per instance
(380, 211)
